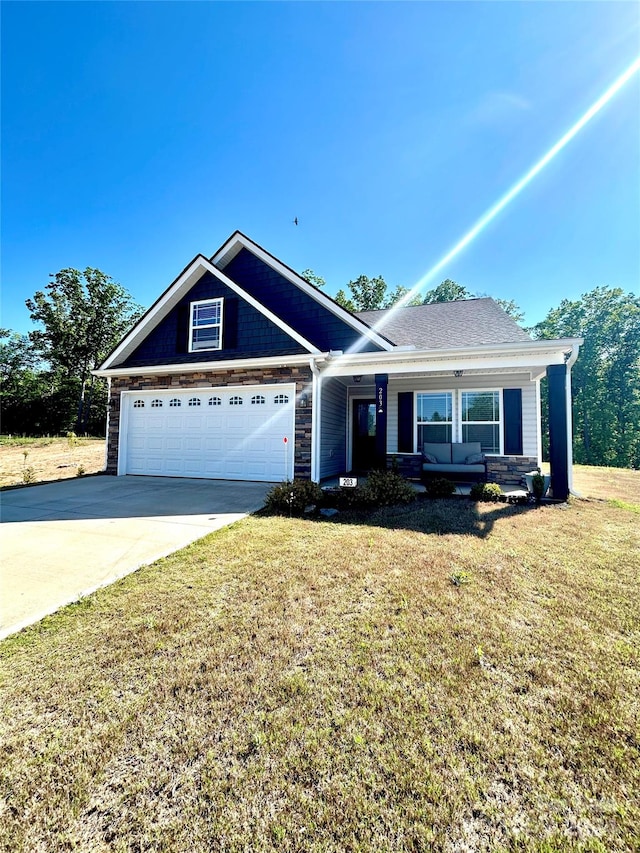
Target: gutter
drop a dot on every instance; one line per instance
(571, 360)
(316, 396)
(208, 366)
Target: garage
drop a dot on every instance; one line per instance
(216, 433)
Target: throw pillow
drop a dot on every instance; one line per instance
(475, 459)
(429, 457)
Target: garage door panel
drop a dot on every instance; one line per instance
(215, 441)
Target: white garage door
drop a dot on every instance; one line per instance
(217, 433)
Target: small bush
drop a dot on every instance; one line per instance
(486, 492)
(28, 475)
(440, 487)
(387, 488)
(292, 497)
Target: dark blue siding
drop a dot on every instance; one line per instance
(310, 319)
(246, 332)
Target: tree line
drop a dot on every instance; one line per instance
(47, 387)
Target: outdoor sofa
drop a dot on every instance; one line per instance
(460, 460)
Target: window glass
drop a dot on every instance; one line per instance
(174, 402)
(480, 413)
(139, 404)
(235, 401)
(156, 404)
(215, 401)
(206, 325)
(434, 413)
(194, 401)
(281, 399)
(258, 400)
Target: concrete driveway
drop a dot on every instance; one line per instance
(61, 541)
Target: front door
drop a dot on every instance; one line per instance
(363, 446)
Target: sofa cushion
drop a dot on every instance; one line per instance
(475, 459)
(429, 457)
(461, 450)
(441, 451)
(450, 468)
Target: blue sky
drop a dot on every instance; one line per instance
(138, 134)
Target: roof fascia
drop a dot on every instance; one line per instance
(528, 355)
(239, 240)
(212, 366)
(184, 282)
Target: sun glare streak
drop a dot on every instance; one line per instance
(517, 188)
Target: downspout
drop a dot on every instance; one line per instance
(106, 444)
(570, 362)
(316, 393)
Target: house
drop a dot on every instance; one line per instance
(244, 370)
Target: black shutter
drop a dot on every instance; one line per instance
(512, 398)
(182, 331)
(405, 422)
(230, 323)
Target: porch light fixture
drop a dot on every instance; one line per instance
(458, 373)
(303, 401)
(357, 379)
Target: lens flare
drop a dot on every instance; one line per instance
(517, 188)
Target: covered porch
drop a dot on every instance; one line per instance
(371, 411)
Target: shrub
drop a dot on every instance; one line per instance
(292, 497)
(440, 487)
(387, 488)
(486, 492)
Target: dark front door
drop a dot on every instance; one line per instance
(363, 448)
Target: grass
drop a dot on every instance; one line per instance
(294, 685)
(601, 483)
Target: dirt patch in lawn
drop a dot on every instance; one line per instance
(40, 460)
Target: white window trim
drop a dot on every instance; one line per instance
(192, 328)
(415, 410)
(456, 413)
(500, 420)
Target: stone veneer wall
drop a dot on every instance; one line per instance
(510, 470)
(212, 379)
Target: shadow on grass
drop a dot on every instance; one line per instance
(437, 516)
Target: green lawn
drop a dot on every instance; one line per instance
(295, 685)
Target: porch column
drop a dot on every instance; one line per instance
(381, 419)
(558, 430)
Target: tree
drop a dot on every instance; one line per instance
(83, 315)
(447, 291)
(367, 294)
(512, 309)
(314, 279)
(22, 386)
(606, 378)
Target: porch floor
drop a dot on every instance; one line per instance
(463, 489)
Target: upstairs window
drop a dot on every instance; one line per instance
(205, 325)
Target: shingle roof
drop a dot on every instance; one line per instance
(440, 325)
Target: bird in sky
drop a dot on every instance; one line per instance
(295, 221)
